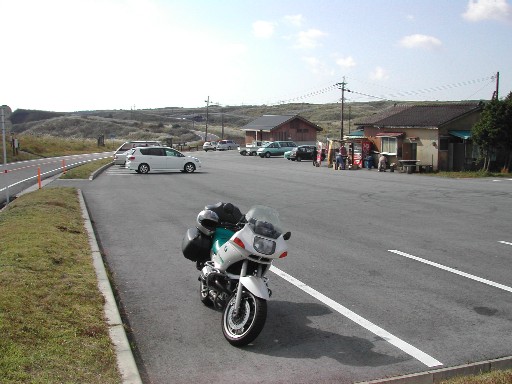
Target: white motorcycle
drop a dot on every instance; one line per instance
(234, 252)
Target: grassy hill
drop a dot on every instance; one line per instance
(181, 123)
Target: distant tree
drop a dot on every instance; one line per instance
(493, 132)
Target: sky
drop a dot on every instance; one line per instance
(75, 55)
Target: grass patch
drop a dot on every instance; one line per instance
(470, 174)
(496, 377)
(49, 146)
(85, 170)
(51, 311)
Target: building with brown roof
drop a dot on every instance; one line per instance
(436, 135)
(281, 127)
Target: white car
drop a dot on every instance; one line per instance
(160, 159)
(210, 146)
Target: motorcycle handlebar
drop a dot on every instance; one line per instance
(232, 226)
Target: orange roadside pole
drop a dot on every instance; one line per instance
(64, 166)
(39, 177)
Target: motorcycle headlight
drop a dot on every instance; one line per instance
(264, 246)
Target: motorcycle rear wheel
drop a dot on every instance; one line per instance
(244, 327)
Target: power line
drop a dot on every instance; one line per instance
(393, 96)
(443, 87)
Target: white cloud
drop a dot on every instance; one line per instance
(379, 73)
(317, 67)
(478, 10)
(420, 41)
(263, 29)
(346, 62)
(313, 63)
(295, 20)
(309, 39)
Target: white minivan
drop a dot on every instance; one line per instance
(160, 159)
(226, 144)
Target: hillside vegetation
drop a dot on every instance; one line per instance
(183, 125)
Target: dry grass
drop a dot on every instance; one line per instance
(496, 377)
(51, 311)
(85, 170)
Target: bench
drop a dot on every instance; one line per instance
(409, 165)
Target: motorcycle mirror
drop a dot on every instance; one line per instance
(287, 235)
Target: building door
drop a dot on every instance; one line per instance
(409, 151)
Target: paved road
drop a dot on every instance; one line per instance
(16, 177)
(398, 273)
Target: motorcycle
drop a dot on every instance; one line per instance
(234, 253)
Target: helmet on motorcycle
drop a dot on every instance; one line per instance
(207, 221)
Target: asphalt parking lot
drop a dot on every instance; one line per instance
(387, 273)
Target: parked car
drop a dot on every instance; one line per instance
(304, 152)
(252, 148)
(158, 159)
(276, 148)
(210, 146)
(222, 145)
(287, 155)
(121, 152)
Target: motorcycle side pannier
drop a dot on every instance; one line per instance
(196, 246)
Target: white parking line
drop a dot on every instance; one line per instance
(407, 348)
(452, 270)
(505, 242)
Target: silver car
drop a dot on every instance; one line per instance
(226, 145)
(160, 159)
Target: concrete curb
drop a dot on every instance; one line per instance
(125, 360)
(435, 376)
(100, 170)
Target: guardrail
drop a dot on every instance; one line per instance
(184, 147)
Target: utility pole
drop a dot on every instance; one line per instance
(2, 117)
(342, 87)
(222, 117)
(349, 118)
(207, 101)
(495, 93)
(5, 112)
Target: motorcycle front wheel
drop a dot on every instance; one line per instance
(243, 327)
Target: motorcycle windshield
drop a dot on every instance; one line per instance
(264, 221)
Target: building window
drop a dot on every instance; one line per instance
(443, 143)
(389, 145)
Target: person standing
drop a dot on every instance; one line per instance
(315, 154)
(382, 163)
(15, 146)
(343, 155)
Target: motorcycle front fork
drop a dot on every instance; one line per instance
(240, 287)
